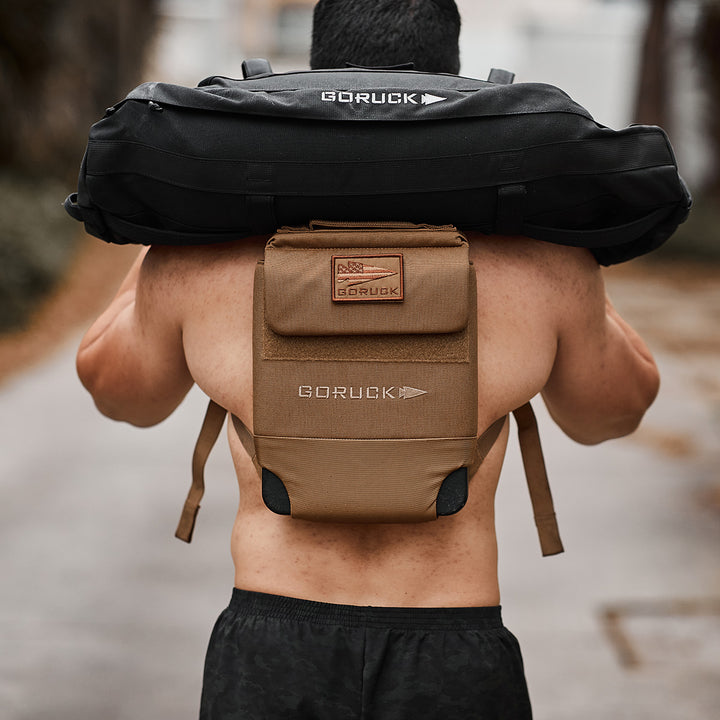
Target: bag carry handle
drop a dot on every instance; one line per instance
(255, 67)
(500, 76)
(72, 208)
(155, 236)
(602, 238)
(509, 220)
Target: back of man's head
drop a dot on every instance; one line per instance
(375, 33)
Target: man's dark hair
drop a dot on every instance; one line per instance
(375, 33)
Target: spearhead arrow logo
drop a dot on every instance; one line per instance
(410, 392)
(356, 273)
(380, 97)
(428, 99)
(347, 392)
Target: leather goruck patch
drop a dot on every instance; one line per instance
(367, 278)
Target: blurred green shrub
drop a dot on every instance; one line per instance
(37, 240)
(61, 63)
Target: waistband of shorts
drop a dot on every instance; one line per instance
(248, 602)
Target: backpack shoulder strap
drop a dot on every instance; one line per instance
(212, 424)
(530, 448)
(535, 473)
(209, 432)
(537, 480)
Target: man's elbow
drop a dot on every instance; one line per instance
(122, 413)
(607, 428)
(643, 394)
(621, 421)
(108, 396)
(88, 370)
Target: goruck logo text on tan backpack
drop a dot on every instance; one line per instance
(365, 388)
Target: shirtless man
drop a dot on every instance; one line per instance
(372, 621)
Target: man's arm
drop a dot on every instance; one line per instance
(131, 360)
(604, 377)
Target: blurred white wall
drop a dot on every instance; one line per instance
(589, 48)
(197, 38)
(586, 47)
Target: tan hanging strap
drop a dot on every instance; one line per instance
(212, 424)
(485, 443)
(530, 448)
(537, 480)
(246, 437)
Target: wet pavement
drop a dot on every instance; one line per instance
(104, 614)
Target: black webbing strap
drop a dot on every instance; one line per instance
(510, 212)
(530, 449)
(260, 211)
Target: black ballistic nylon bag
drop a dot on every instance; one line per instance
(230, 158)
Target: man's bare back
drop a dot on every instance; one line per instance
(544, 327)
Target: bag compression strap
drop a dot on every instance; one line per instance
(530, 448)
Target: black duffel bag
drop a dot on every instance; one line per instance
(230, 158)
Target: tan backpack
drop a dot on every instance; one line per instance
(365, 381)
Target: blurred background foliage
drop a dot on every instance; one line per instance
(698, 239)
(63, 61)
(36, 243)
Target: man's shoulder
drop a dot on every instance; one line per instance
(550, 264)
(189, 266)
(188, 258)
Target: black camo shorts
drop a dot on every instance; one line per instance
(272, 658)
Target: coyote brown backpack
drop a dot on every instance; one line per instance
(365, 381)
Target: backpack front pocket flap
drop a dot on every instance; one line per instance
(367, 291)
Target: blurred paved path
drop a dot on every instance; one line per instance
(103, 614)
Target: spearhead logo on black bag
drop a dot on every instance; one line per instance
(367, 277)
(377, 97)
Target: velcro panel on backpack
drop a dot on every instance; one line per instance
(421, 268)
(363, 406)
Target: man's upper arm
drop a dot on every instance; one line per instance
(604, 377)
(132, 359)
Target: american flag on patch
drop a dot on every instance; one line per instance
(355, 273)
